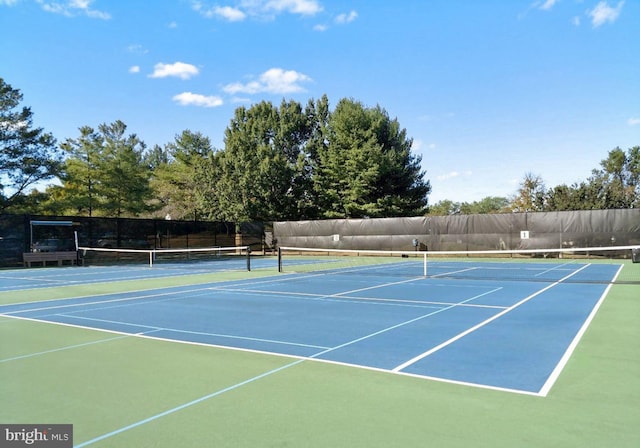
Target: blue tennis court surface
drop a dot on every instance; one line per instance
(508, 335)
(49, 277)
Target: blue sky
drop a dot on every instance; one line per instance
(488, 90)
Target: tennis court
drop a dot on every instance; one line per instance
(214, 333)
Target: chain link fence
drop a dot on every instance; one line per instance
(29, 233)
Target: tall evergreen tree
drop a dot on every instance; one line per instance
(177, 179)
(124, 178)
(263, 166)
(81, 176)
(367, 168)
(28, 155)
(104, 173)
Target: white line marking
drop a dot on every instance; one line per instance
(544, 391)
(481, 324)
(201, 333)
(560, 266)
(99, 302)
(186, 405)
(349, 299)
(68, 347)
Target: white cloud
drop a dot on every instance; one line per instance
(177, 69)
(303, 7)
(262, 9)
(548, 4)
(342, 19)
(633, 121)
(603, 13)
(231, 14)
(453, 174)
(137, 49)
(576, 21)
(420, 146)
(320, 27)
(8, 2)
(172, 25)
(447, 176)
(274, 80)
(72, 8)
(134, 69)
(195, 99)
(227, 13)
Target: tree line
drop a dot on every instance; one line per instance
(286, 162)
(614, 184)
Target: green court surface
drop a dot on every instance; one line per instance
(125, 391)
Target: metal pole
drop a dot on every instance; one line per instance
(279, 259)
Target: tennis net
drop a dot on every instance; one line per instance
(228, 258)
(585, 265)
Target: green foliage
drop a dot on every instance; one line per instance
(615, 185)
(178, 182)
(287, 163)
(366, 169)
(278, 163)
(490, 204)
(28, 155)
(263, 168)
(81, 175)
(104, 173)
(619, 178)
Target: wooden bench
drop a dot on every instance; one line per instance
(44, 257)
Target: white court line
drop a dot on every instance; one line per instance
(189, 404)
(59, 349)
(481, 324)
(98, 302)
(200, 333)
(560, 266)
(544, 391)
(350, 299)
(250, 380)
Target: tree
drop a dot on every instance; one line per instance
(104, 173)
(615, 185)
(289, 163)
(178, 182)
(81, 175)
(124, 178)
(366, 169)
(444, 208)
(619, 178)
(263, 167)
(489, 204)
(28, 155)
(531, 195)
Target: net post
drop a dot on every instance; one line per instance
(248, 258)
(279, 259)
(424, 265)
(151, 252)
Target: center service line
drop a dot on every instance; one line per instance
(263, 375)
(481, 324)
